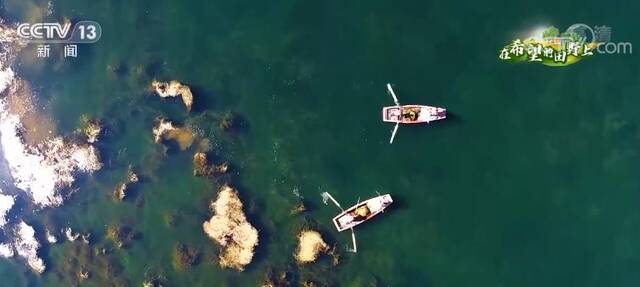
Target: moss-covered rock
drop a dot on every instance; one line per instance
(184, 256)
(173, 89)
(298, 209)
(227, 121)
(121, 236)
(166, 130)
(120, 192)
(201, 166)
(310, 245)
(91, 128)
(229, 228)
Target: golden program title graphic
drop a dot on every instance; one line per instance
(549, 47)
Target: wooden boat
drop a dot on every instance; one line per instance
(413, 114)
(410, 114)
(362, 212)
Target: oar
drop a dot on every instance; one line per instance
(326, 195)
(395, 99)
(393, 134)
(353, 238)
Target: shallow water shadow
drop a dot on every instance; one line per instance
(452, 119)
(6, 16)
(264, 234)
(241, 124)
(154, 68)
(399, 202)
(204, 99)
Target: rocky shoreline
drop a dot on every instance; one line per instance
(42, 164)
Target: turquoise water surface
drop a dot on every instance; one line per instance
(532, 181)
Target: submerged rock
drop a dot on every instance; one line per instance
(73, 236)
(83, 274)
(229, 228)
(171, 218)
(298, 209)
(50, 237)
(227, 121)
(184, 256)
(155, 282)
(6, 250)
(43, 170)
(121, 190)
(174, 89)
(36, 124)
(118, 69)
(40, 163)
(121, 236)
(86, 238)
(201, 166)
(91, 128)
(6, 203)
(275, 278)
(310, 245)
(70, 235)
(161, 128)
(26, 246)
(165, 130)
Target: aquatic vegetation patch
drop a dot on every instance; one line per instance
(122, 236)
(201, 166)
(310, 246)
(166, 130)
(120, 192)
(278, 278)
(299, 208)
(227, 121)
(184, 256)
(91, 128)
(231, 230)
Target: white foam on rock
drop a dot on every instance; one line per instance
(43, 170)
(6, 202)
(71, 236)
(50, 237)
(6, 250)
(162, 127)
(40, 170)
(27, 246)
(6, 77)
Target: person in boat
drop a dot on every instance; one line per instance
(361, 213)
(411, 115)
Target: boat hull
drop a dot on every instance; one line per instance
(413, 114)
(350, 218)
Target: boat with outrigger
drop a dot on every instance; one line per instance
(410, 114)
(359, 213)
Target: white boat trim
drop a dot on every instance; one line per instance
(346, 220)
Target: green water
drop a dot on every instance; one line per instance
(531, 182)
